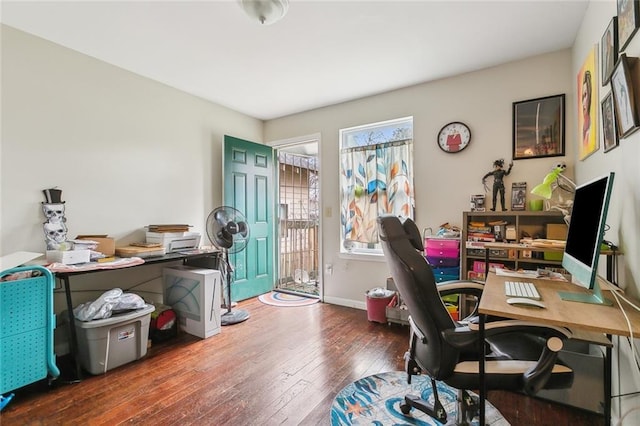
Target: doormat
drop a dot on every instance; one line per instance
(276, 298)
(375, 400)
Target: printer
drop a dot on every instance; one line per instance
(175, 241)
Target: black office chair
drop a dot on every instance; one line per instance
(520, 356)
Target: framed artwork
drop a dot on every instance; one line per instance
(609, 133)
(588, 106)
(609, 50)
(538, 127)
(624, 100)
(628, 21)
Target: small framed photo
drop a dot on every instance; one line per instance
(609, 131)
(628, 21)
(609, 50)
(518, 195)
(624, 98)
(538, 127)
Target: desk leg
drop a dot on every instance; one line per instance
(607, 385)
(486, 263)
(482, 383)
(73, 339)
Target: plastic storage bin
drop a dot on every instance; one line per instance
(377, 305)
(111, 342)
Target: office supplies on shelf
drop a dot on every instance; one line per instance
(521, 289)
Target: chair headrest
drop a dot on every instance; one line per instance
(413, 233)
(393, 229)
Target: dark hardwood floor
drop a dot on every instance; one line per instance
(282, 366)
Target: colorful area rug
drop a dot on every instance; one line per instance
(375, 400)
(276, 298)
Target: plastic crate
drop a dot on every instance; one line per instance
(27, 322)
(108, 343)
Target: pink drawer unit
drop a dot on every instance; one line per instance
(442, 243)
(442, 252)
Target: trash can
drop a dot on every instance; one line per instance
(377, 301)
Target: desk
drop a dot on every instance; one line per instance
(66, 276)
(579, 316)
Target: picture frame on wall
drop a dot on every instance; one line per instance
(628, 21)
(587, 107)
(539, 127)
(609, 50)
(609, 131)
(624, 98)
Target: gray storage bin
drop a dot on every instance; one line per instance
(111, 342)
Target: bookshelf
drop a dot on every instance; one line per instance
(510, 226)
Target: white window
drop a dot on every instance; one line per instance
(376, 177)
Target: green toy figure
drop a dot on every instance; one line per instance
(498, 174)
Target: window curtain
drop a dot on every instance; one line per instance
(375, 180)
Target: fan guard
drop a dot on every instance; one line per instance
(228, 230)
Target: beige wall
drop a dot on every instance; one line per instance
(126, 151)
(624, 213)
(443, 181)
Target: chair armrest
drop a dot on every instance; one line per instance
(467, 336)
(500, 326)
(473, 288)
(463, 287)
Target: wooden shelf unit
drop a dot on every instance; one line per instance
(533, 223)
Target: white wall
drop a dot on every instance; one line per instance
(125, 150)
(624, 214)
(443, 182)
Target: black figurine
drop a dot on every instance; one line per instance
(498, 174)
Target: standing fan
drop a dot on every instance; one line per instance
(228, 230)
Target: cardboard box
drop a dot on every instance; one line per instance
(195, 295)
(142, 252)
(106, 245)
(557, 231)
(68, 257)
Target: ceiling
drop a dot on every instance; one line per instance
(321, 53)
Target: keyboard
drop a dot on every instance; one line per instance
(521, 289)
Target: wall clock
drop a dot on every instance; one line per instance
(454, 137)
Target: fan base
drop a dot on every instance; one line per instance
(234, 317)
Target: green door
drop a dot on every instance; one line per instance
(249, 187)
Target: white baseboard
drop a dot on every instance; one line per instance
(358, 304)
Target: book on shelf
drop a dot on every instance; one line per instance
(481, 229)
(475, 244)
(481, 237)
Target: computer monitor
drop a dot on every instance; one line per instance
(584, 238)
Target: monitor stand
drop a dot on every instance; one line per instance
(595, 297)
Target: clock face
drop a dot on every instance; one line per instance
(454, 137)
